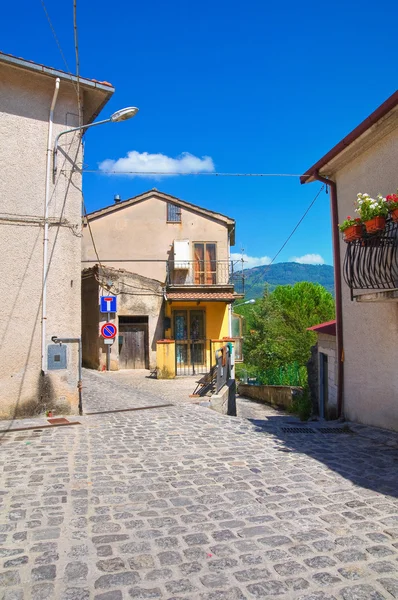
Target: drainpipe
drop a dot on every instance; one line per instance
(46, 230)
(337, 283)
(77, 340)
(229, 305)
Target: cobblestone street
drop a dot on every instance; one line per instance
(179, 503)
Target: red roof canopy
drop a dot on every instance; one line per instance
(329, 328)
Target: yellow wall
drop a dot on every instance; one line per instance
(216, 319)
(165, 360)
(216, 316)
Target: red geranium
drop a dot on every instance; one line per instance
(392, 198)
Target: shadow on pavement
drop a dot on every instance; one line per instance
(357, 453)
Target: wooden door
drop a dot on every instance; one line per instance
(133, 346)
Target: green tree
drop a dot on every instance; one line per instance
(279, 322)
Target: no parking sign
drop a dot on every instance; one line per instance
(109, 331)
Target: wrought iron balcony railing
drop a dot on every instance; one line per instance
(371, 263)
(200, 273)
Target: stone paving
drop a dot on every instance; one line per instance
(181, 503)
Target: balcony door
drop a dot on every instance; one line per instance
(205, 263)
(190, 339)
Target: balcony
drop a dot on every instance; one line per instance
(204, 274)
(371, 263)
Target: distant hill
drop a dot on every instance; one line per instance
(287, 273)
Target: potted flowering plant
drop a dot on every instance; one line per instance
(352, 229)
(392, 202)
(373, 212)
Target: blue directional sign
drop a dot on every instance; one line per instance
(108, 304)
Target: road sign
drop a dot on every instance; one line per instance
(108, 304)
(109, 331)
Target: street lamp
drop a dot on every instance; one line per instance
(120, 115)
(252, 301)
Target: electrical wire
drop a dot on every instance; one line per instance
(264, 271)
(191, 174)
(76, 40)
(91, 233)
(59, 47)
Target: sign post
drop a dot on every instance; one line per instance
(108, 304)
(108, 332)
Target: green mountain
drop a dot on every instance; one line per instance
(287, 273)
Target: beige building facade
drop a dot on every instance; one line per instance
(35, 377)
(367, 161)
(168, 263)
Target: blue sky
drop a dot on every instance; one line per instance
(254, 86)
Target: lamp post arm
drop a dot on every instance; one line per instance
(82, 127)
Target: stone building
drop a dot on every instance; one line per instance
(41, 257)
(168, 263)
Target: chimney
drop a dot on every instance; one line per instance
(117, 198)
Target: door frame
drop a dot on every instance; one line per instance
(141, 320)
(323, 384)
(189, 342)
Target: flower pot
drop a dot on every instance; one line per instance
(352, 233)
(394, 215)
(376, 224)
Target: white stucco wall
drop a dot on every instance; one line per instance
(25, 100)
(370, 330)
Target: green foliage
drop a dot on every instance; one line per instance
(301, 405)
(349, 222)
(286, 274)
(292, 375)
(278, 334)
(369, 208)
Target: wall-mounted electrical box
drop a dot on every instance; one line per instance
(56, 357)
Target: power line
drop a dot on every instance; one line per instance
(91, 233)
(59, 46)
(186, 174)
(263, 272)
(76, 40)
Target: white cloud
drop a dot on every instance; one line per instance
(251, 261)
(143, 164)
(308, 259)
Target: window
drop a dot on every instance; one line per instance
(173, 213)
(205, 264)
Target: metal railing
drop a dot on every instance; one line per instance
(204, 273)
(371, 263)
(223, 362)
(192, 356)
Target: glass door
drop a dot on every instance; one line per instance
(189, 335)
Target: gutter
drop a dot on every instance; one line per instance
(375, 117)
(337, 283)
